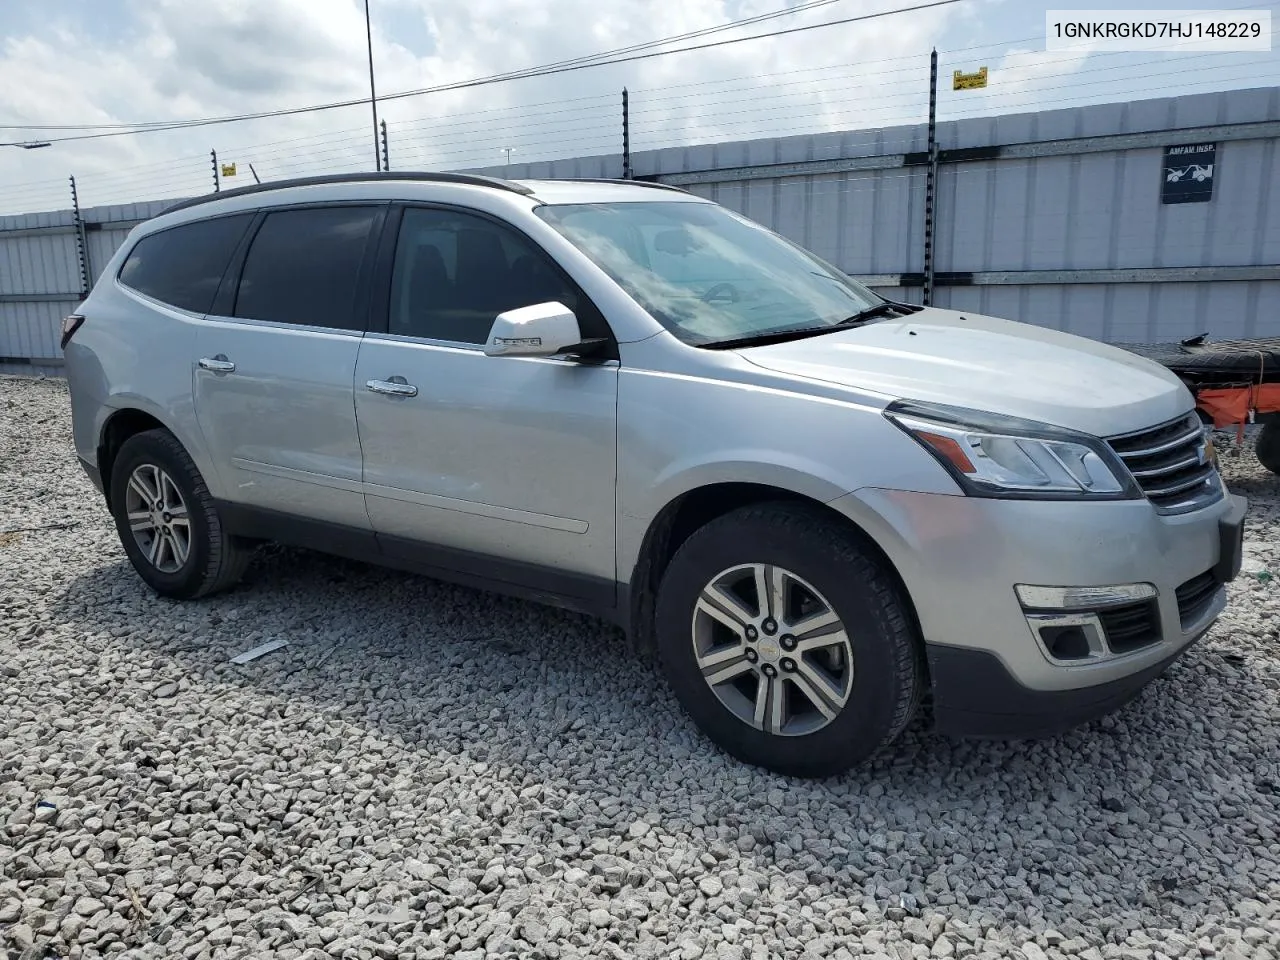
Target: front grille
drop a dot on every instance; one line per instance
(1131, 626)
(1170, 465)
(1195, 596)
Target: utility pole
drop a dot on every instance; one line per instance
(386, 153)
(931, 181)
(626, 137)
(373, 94)
(217, 181)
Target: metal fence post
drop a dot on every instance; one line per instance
(386, 153)
(82, 247)
(626, 137)
(217, 182)
(931, 181)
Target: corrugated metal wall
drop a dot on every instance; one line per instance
(1090, 204)
(1031, 211)
(40, 279)
(1102, 211)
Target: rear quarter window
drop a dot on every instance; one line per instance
(182, 266)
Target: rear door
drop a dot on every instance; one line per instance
(274, 364)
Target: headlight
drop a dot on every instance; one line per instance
(997, 456)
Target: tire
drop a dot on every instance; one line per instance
(823, 566)
(1268, 447)
(212, 560)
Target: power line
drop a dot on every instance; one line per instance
(683, 126)
(167, 124)
(566, 66)
(992, 96)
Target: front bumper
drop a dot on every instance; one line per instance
(975, 696)
(960, 558)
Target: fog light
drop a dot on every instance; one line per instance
(1069, 637)
(1065, 643)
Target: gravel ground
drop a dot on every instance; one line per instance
(427, 771)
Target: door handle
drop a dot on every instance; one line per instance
(218, 364)
(396, 387)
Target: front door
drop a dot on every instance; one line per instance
(506, 463)
(273, 376)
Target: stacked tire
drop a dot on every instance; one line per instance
(1268, 448)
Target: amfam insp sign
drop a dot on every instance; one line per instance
(1188, 173)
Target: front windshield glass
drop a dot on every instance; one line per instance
(707, 274)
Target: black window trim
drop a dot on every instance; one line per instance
(224, 300)
(250, 230)
(379, 321)
(229, 290)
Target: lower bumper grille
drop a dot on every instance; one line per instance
(1132, 626)
(1195, 596)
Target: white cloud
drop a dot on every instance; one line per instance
(175, 59)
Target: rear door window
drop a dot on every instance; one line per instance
(303, 267)
(182, 266)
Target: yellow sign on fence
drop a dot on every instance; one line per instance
(969, 81)
(228, 169)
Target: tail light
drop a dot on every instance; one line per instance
(70, 325)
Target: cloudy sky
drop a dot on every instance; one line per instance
(104, 62)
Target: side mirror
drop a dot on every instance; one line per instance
(542, 330)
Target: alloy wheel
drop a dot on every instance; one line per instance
(772, 649)
(158, 518)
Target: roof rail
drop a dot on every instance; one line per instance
(635, 183)
(465, 178)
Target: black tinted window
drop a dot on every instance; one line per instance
(183, 266)
(303, 266)
(454, 273)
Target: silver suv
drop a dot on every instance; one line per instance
(823, 508)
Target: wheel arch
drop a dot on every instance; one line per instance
(693, 509)
(128, 420)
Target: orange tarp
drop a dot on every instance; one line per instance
(1228, 405)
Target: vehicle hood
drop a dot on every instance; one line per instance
(989, 364)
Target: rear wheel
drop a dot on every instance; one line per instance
(1268, 448)
(787, 642)
(167, 520)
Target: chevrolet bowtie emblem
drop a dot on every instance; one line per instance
(1207, 452)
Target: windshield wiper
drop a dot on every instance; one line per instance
(879, 310)
(773, 336)
(779, 336)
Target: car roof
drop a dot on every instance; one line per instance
(409, 183)
(603, 191)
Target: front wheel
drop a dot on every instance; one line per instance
(1268, 448)
(167, 520)
(787, 641)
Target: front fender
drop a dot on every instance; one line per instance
(794, 473)
(680, 433)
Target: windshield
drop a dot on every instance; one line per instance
(707, 274)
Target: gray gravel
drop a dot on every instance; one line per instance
(430, 771)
